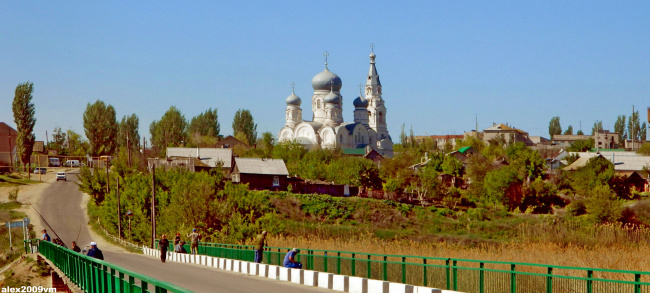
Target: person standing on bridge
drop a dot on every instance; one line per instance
(260, 242)
(194, 245)
(177, 239)
(75, 248)
(163, 244)
(46, 237)
(95, 252)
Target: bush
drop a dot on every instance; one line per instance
(13, 194)
(577, 208)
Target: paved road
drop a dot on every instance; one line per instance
(60, 205)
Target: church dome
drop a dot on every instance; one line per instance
(293, 100)
(360, 102)
(326, 80)
(332, 98)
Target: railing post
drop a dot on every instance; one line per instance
(455, 274)
(513, 279)
(482, 278)
(637, 286)
(549, 280)
(279, 257)
(447, 274)
(590, 274)
(403, 270)
(368, 264)
(131, 284)
(385, 268)
(338, 263)
(325, 261)
(424, 272)
(353, 265)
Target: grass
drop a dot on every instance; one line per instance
(14, 179)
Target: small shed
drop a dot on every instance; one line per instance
(260, 173)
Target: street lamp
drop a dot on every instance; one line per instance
(130, 215)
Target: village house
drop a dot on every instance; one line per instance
(508, 133)
(259, 173)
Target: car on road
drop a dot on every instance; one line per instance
(39, 170)
(60, 176)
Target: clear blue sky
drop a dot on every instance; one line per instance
(441, 62)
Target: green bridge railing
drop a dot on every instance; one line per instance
(464, 275)
(96, 276)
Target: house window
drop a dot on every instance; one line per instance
(276, 181)
(235, 178)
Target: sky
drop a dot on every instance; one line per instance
(443, 64)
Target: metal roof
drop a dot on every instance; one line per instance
(623, 161)
(208, 156)
(261, 166)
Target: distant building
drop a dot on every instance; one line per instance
(508, 133)
(258, 173)
(8, 137)
(463, 153)
(367, 152)
(604, 139)
(327, 128)
(196, 159)
(230, 142)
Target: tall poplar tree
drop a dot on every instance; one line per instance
(169, 131)
(244, 127)
(24, 116)
(100, 126)
(554, 126)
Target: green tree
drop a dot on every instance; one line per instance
(100, 127)
(244, 126)
(643, 132)
(425, 184)
(580, 132)
(598, 171)
(602, 205)
(452, 166)
(75, 144)
(581, 145)
(25, 119)
(634, 126)
(169, 131)
(569, 130)
(598, 125)
(477, 167)
(128, 130)
(619, 127)
(554, 126)
(58, 140)
(529, 163)
(503, 186)
(204, 128)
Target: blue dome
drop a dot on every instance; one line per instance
(293, 100)
(360, 102)
(332, 98)
(326, 80)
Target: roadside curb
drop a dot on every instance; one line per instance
(298, 276)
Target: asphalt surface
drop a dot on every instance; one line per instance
(60, 206)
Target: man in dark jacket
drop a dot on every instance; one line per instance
(75, 248)
(95, 252)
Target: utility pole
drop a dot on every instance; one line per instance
(108, 190)
(11, 158)
(633, 122)
(119, 211)
(128, 149)
(597, 136)
(153, 205)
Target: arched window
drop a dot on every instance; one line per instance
(381, 117)
(317, 104)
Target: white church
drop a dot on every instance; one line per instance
(327, 129)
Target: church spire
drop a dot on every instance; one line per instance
(373, 76)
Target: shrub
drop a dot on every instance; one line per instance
(13, 194)
(577, 208)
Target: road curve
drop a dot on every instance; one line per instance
(61, 207)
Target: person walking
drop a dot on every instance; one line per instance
(260, 243)
(95, 252)
(290, 259)
(75, 248)
(46, 237)
(163, 244)
(194, 245)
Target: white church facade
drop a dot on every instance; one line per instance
(327, 128)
